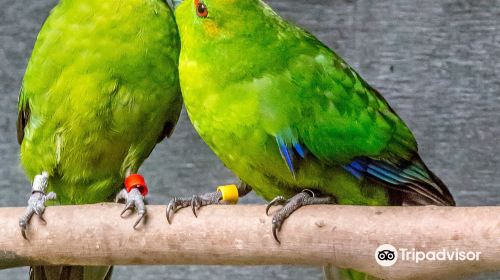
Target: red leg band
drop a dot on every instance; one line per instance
(136, 181)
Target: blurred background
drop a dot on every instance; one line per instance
(436, 62)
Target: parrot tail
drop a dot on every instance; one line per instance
(71, 272)
(411, 183)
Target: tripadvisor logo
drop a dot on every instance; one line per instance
(388, 255)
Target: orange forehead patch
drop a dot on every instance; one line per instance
(212, 29)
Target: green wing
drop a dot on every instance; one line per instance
(321, 102)
(332, 113)
(355, 120)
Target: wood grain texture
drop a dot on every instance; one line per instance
(241, 235)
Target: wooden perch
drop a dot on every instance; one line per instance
(345, 236)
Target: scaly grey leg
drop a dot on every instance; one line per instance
(197, 201)
(36, 202)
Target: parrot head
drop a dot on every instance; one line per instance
(212, 21)
(217, 33)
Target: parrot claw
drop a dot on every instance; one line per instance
(140, 218)
(133, 199)
(171, 207)
(196, 202)
(302, 199)
(276, 228)
(279, 200)
(36, 202)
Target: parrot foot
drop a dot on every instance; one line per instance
(304, 198)
(133, 199)
(196, 202)
(36, 202)
(217, 197)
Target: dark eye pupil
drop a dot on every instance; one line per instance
(202, 8)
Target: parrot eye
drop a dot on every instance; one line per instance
(201, 9)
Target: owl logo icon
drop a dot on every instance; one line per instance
(386, 255)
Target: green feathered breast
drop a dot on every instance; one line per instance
(285, 113)
(101, 89)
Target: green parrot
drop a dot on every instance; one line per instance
(100, 90)
(290, 117)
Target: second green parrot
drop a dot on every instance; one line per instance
(290, 117)
(100, 90)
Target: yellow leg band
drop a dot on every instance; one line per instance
(229, 193)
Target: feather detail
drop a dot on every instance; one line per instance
(291, 150)
(286, 154)
(413, 178)
(300, 150)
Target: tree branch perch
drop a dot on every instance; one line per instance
(345, 236)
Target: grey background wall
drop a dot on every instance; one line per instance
(435, 61)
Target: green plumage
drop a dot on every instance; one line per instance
(259, 90)
(100, 90)
(248, 77)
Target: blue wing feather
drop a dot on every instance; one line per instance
(300, 150)
(414, 177)
(286, 154)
